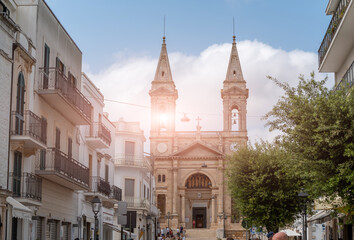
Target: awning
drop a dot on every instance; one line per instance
(319, 215)
(117, 229)
(291, 233)
(19, 210)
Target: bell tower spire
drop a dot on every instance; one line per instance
(163, 95)
(234, 94)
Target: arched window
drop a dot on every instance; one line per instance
(234, 119)
(198, 180)
(20, 104)
(159, 178)
(163, 178)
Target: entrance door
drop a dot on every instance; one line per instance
(200, 217)
(199, 221)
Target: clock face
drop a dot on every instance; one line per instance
(234, 147)
(162, 147)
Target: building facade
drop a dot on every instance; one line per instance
(134, 174)
(46, 168)
(97, 148)
(8, 31)
(336, 55)
(190, 166)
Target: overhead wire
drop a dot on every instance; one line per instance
(148, 107)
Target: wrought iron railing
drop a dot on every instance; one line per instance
(348, 78)
(116, 193)
(332, 29)
(99, 185)
(134, 202)
(28, 185)
(127, 160)
(55, 160)
(29, 124)
(98, 130)
(54, 79)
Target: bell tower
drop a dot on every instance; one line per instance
(234, 94)
(163, 95)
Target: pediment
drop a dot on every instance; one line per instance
(162, 91)
(198, 149)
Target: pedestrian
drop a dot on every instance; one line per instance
(280, 236)
(270, 235)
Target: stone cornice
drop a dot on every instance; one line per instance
(170, 158)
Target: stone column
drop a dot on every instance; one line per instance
(221, 186)
(213, 210)
(175, 195)
(183, 208)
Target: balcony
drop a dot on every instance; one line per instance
(135, 162)
(55, 88)
(139, 203)
(26, 188)
(28, 129)
(116, 193)
(58, 167)
(348, 78)
(339, 38)
(101, 186)
(98, 135)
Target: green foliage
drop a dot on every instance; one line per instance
(317, 127)
(264, 185)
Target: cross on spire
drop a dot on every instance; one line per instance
(198, 125)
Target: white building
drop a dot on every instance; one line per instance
(45, 167)
(134, 174)
(97, 148)
(8, 29)
(336, 54)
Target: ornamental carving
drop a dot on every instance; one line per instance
(198, 181)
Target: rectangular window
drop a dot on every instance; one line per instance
(129, 150)
(57, 138)
(106, 173)
(46, 66)
(144, 191)
(129, 187)
(148, 193)
(16, 188)
(161, 203)
(90, 164)
(44, 130)
(70, 147)
(42, 159)
(60, 66)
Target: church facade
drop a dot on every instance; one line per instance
(189, 167)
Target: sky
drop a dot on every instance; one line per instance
(121, 42)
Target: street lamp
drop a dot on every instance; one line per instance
(303, 196)
(96, 207)
(223, 217)
(168, 217)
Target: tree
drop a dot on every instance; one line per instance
(264, 185)
(317, 127)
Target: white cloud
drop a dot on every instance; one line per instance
(199, 79)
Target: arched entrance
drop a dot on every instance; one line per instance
(198, 196)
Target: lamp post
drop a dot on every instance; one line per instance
(96, 207)
(168, 217)
(223, 217)
(303, 196)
